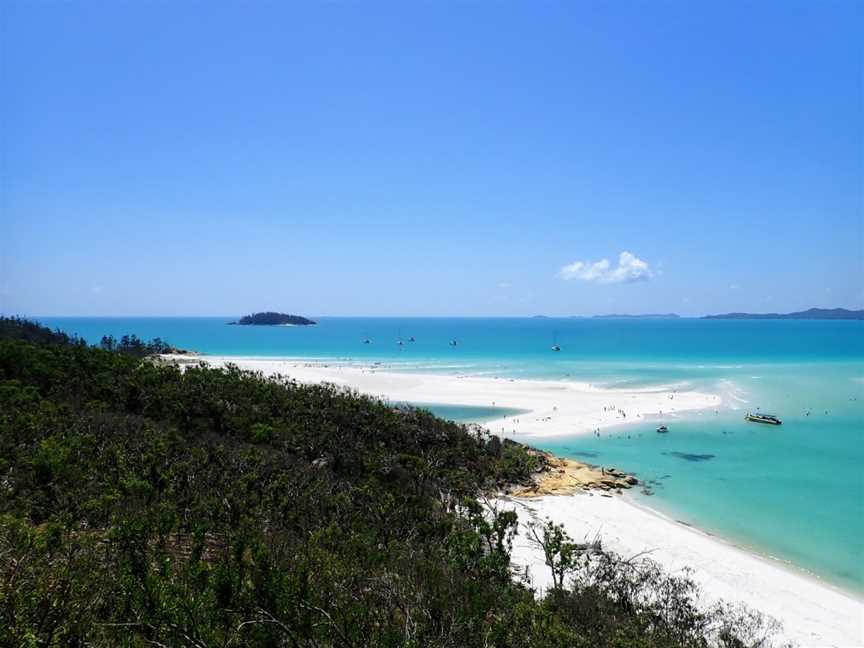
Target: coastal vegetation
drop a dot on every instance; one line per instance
(142, 504)
(16, 328)
(134, 346)
(273, 319)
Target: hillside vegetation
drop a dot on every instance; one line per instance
(142, 505)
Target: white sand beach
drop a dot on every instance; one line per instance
(813, 613)
(557, 408)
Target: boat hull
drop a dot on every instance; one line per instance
(756, 419)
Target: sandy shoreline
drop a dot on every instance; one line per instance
(812, 612)
(557, 408)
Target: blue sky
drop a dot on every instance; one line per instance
(478, 158)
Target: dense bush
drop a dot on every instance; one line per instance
(142, 505)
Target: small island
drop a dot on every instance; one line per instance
(651, 316)
(273, 319)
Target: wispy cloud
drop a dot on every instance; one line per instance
(504, 285)
(630, 269)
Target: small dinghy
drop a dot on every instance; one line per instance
(662, 429)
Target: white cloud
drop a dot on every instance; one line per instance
(504, 285)
(630, 268)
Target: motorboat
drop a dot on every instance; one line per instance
(758, 417)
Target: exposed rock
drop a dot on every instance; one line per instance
(567, 476)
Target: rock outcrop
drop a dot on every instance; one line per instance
(567, 476)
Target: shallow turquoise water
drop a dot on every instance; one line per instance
(794, 491)
(466, 413)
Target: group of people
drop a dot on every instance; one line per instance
(612, 408)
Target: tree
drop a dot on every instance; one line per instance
(560, 552)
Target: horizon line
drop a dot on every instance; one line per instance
(669, 315)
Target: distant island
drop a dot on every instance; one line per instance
(811, 314)
(648, 316)
(273, 319)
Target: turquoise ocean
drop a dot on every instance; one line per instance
(793, 492)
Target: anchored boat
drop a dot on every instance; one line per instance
(662, 429)
(758, 417)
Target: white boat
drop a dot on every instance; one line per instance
(770, 419)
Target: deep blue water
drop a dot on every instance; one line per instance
(520, 344)
(795, 491)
